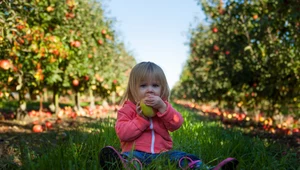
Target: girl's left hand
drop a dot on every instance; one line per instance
(156, 103)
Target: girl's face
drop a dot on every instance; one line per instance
(149, 87)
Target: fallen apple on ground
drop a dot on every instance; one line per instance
(147, 110)
(37, 128)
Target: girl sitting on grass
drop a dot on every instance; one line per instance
(146, 137)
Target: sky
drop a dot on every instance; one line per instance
(156, 30)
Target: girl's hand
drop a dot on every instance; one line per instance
(156, 103)
(140, 112)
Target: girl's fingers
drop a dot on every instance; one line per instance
(138, 110)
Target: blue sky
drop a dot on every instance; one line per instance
(156, 30)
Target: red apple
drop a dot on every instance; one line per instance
(37, 128)
(48, 114)
(296, 132)
(70, 15)
(227, 52)
(73, 115)
(215, 30)
(216, 48)
(103, 31)
(5, 64)
(77, 44)
(255, 16)
(48, 125)
(100, 42)
(55, 52)
(86, 78)
(75, 82)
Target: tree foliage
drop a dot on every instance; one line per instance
(247, 56)
(59, 46)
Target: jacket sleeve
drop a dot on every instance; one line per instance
(172, 119)
(129, 125)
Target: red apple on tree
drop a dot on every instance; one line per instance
(70, 15)
(77, 44)
(100, 42)
(103, 31)
(75, 82)
(216, 48)
(255, 16)
(215, 30)
(55, 52)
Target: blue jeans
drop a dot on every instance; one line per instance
(173, 156)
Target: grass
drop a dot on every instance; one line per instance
(77, 149)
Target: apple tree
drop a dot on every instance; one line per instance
(58, 46)
(246, 56)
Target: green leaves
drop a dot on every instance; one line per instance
(53, 42)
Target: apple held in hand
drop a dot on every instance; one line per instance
(147, 110)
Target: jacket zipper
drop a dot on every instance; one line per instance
(153, 136)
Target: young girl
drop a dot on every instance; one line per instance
(143, 138)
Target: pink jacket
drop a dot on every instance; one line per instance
(137, 133)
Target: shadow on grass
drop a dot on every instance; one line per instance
(11, 106)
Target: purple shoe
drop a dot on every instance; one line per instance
(227, 164)
(191, 163)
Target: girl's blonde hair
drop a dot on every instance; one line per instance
(141, 72)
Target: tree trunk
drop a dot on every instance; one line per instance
(54, 107)
(92, 99)
(78, 108)
(41, 101)
(113, 98)
(56, 102)
(21, 111)
(45, 94)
